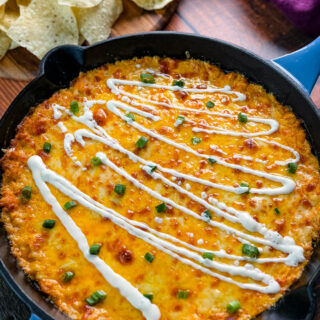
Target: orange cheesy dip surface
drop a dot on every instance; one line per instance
(161, 189)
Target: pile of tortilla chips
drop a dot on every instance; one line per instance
(40, 25)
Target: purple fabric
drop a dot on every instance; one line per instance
(305, 14)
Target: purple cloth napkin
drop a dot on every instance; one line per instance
(305, 14)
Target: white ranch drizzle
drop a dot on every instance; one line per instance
(112, 82)
(285, 162)
(273, 239)
(288, 185)
(159, 74)
(149, 310)
(56, 113)
(62, 127)
(248, 158)
(216, 148)
(274, 125)
(42, 175)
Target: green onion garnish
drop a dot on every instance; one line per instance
(153, 168)
(292, 167)
(178, 83)
(208, 255)
(26, 193)
(195, 140)
(210, 104)
(206, 215)
(96, 161)
(244, 184)
(276, 210)
(182, 294)
(242, 117)
(149, 257)
(120, 189)
(233, 306)
(141, 143)
(95, 248)
(179, 121)
(96, 297)
(161, 207)
(69, 205)
(147, 78)
(149, 296)
(74, 106)
(211, 160)
(131, 116)
(67, 276)
(46, 147)
(49, 223)
(250, 250)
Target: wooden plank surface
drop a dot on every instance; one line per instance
(253, 24)
(19, 64)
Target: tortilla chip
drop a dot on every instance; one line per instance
(11, 14)
(95, 23)
(24, 3)
(80, 3)
(152, 4)
(44, 25)
(13, 45)
(5, 42)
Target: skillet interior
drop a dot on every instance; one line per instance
(63, 64)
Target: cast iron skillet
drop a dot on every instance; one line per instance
(63, 64)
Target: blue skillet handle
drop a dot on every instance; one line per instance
(34, 317)
(304, 64)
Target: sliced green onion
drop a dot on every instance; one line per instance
(153, 168)
(195, 140)
(96, 297)
(208, 255)
(67, 276)
(46, 147)
(49, 223)
(179, 121)
(161, 207)
(276, 210)
(182, 294)
(26, 193)
(141, 143)
(95, 248)
(149, 296)
(131, 116)
(96, 161)
(250, 250)
(178, 83)
(245, 185)
(212, 161)
(210, 104)
(206, 215)
(147, 78)
(120, 189)
(242, 118)
(149, 257)
(74, 106)
(233, 306)
(292, 167)
(69, 205)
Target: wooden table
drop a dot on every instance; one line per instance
(253, 24)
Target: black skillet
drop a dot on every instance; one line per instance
(63, 64)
